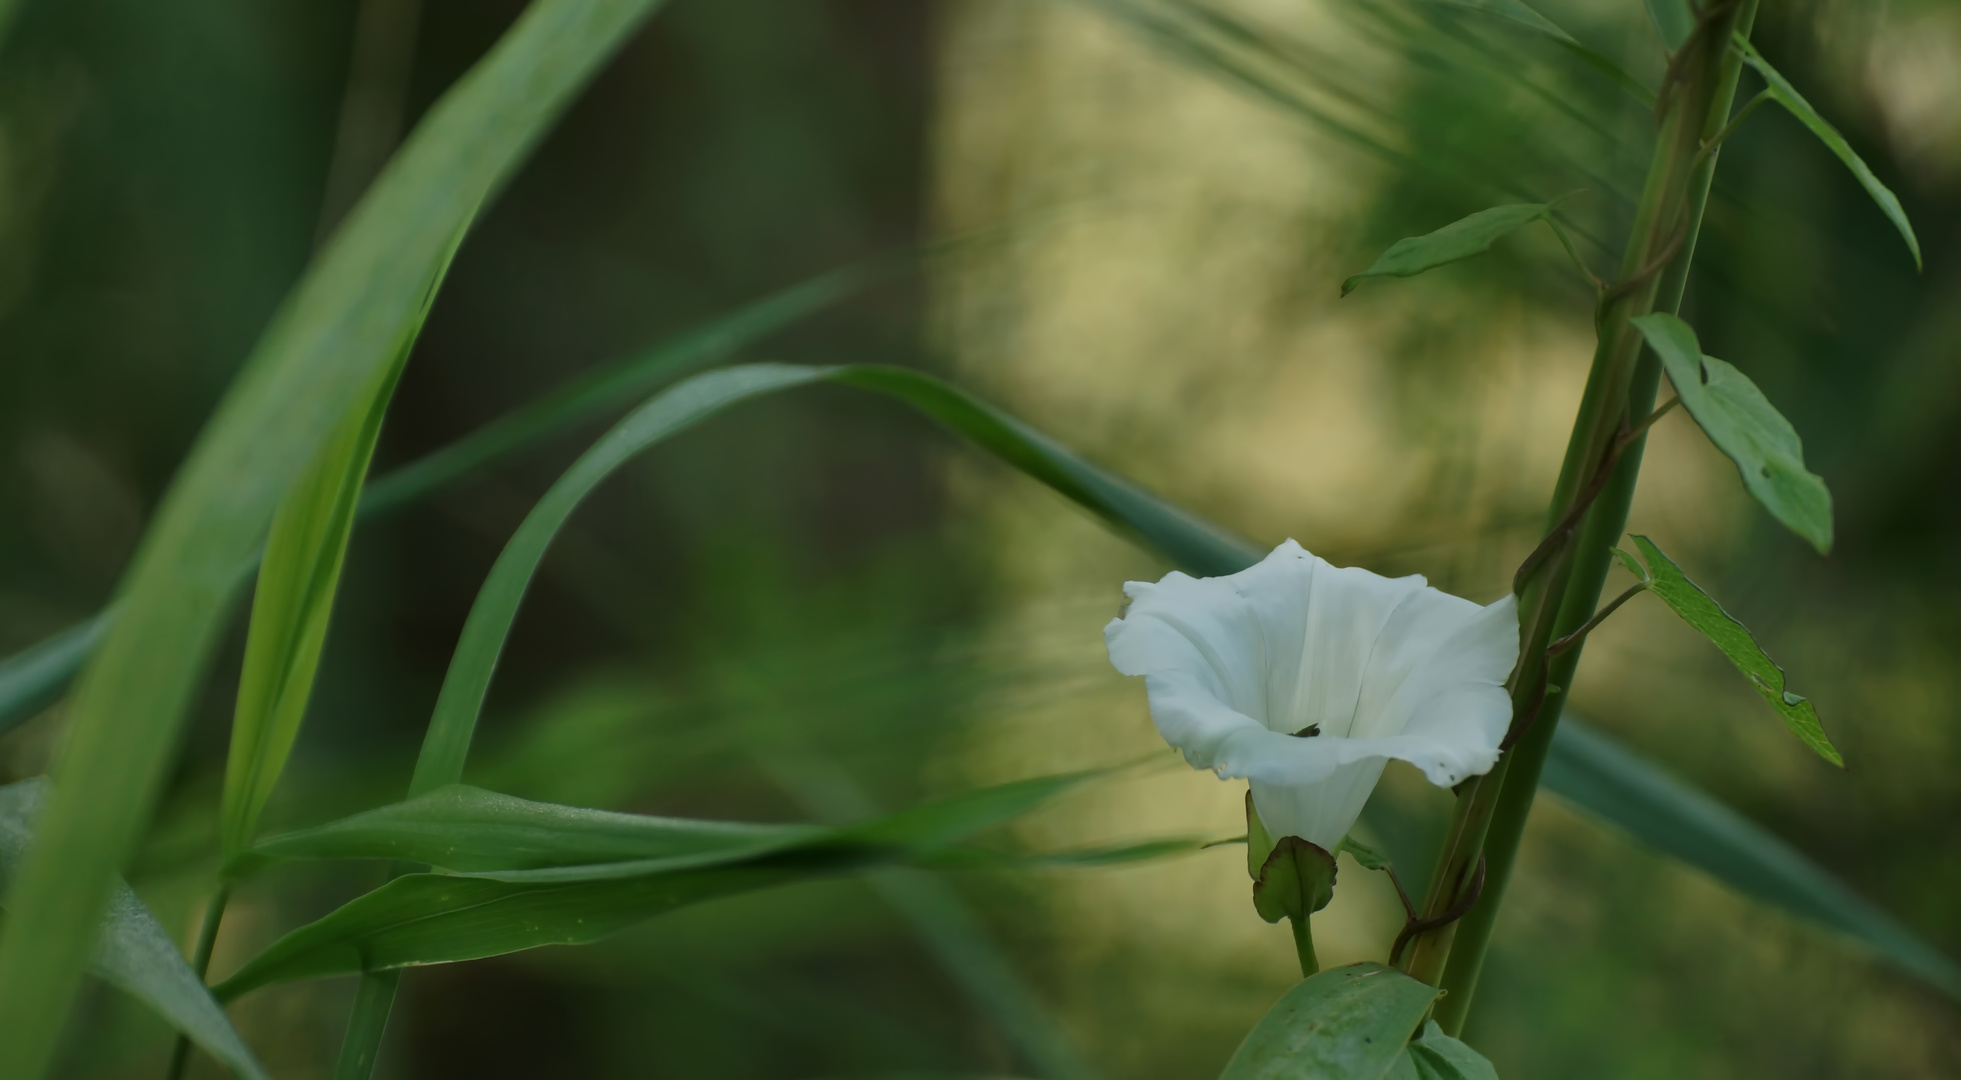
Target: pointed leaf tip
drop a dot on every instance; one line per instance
(1701, 611)
(1746, 427)
(1787, 95)
(1454, 242)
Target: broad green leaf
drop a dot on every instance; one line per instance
(1788, 96)
(1746, 427)
(1433, 1055)
(294, 598)
(1615, 785)
(1697, 609)
(1673, 20)
(132, 950)
(441, 918)
(1520, 14)
(468, 829)
(36, 677)
(1454, 242)
(1348, 1023)
(338, 327)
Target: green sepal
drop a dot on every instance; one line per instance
(1297, 880)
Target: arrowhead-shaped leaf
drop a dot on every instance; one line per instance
(1787, 95)
(1746, 427)
(1348, 1023)
(1697, 609)
(1454, 242)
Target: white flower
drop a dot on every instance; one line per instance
(1305, 679)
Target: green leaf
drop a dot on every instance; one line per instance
(132, 950)
(1673, 20)
(469, 829)
(1520, 14)
(441, 918)
(1434, 1055)
(1632, 564)
(1746, 427)
(340, 325)
(37, 676)
(1347, 1023)
(294, 599)
(1365, 856)
(1613, 784)
(1454, 242)
(1788, 96)
(1697, 609)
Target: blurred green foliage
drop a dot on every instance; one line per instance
(785, 615)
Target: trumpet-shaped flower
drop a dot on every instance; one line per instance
(1305, 679)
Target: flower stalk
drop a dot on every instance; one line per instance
(1560, 587)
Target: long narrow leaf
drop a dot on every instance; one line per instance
(294, 598)
(1615, 785)
(338, 328)
(36, 677)
(1794, 102)
(442, 918)
(132, 951)
(1519, 14)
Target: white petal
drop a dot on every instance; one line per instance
(1384, 668)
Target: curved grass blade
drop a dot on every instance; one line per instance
(466, 829)
(336, 329)
(1344, 1022)
(1454, 242)
(1702, 612)
(1788, 96)
(133, 951)
(1746, 427)
(1519, 14)
(293, 600)
(1615, 785)
(442, 918)
(36, 677)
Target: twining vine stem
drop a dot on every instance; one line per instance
(1559, 587)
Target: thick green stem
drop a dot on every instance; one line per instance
(1560, 594)
(1304, 946)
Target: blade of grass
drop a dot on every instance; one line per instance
(36, 677)
(336, 329)
(294, 599)
(132, 950)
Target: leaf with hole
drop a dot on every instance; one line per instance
(1746, 427)
(1787, 95)
(1347, 1023)
(1696, 608)
(132, 950)
(1455, 242)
